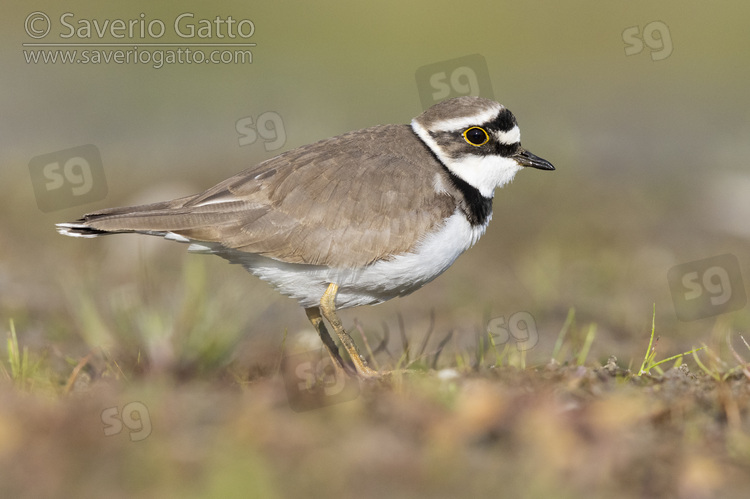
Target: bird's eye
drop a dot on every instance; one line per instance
(476, 136)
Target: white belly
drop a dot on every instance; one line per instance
(369, 285)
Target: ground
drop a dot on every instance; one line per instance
(112, 424)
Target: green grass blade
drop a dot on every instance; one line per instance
(586, 348)
(563, 333)
(649, 354)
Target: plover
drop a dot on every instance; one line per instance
(352, 220)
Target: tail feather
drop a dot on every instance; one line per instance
(80, 230)
(117, 220)
(175, 219)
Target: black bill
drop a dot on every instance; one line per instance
(525, 158)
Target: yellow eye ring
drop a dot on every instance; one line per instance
(476, 136)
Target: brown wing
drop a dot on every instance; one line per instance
(345, 201)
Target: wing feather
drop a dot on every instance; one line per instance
(342, 202)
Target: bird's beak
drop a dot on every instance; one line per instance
(525, 158)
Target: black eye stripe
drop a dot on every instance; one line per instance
(454, 145)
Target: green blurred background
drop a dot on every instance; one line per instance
(651, 154)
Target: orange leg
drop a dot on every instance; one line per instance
(328, 309)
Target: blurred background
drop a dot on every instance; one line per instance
(641, 106)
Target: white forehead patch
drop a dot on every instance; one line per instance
(459, 123)
(512, 136)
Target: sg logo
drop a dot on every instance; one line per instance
(656, 37)
(135, 417)
(706, 288)
(454, 78)
(269, 126)
(312, 382)
(521, 327)
(68, 178)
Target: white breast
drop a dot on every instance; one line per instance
(368, 285)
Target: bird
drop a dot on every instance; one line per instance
(351, 220)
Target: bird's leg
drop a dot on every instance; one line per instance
(328, 308)
(313, 313)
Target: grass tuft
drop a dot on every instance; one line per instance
(24, 372)
(648, 360)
